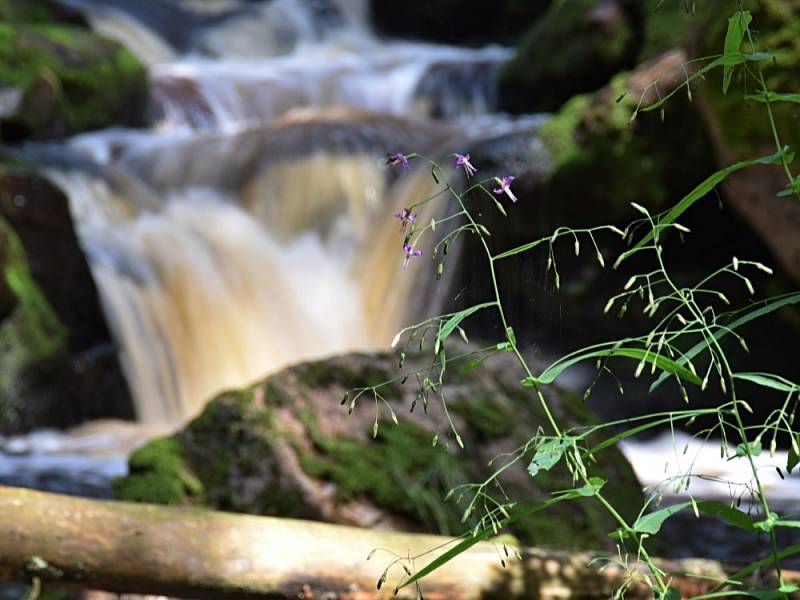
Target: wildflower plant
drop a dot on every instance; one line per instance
(687, 344)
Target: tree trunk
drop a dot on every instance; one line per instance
(148, 549)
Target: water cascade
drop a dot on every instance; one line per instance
(250, 226)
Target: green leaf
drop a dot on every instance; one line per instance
(762, 594)
(768, 380)
(451, 324)
(472, 364)
(728, 514)
(767, 524)
(774, 97)
(661, 362)
(768, 307)
(594, 485)
(548, 455)
(700, 191)
(751, 448)
(791, 189)
(737, 26)
(671, 594)
(651, 523)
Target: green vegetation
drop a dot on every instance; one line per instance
(69, 80)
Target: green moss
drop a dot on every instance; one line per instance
(31, 332)
(745, 124)
(399, 470)
(486, 419)
(323, 374)
(597, 47)
(159, 473)
(558, 132)
(71, 80)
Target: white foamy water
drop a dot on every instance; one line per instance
(663, 464)
(83, 460)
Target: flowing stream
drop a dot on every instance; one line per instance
(249, 226)
(246, 229)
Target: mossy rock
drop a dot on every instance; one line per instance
(288, 447)
(57, 80)
(58, 366)
(574, 48)
(744, 124)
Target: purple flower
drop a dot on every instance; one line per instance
(409, 252)
(505, 187)
(462, 160)
(397, 159)
(406, 218)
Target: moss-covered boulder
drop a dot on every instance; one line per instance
(58, 365)
(743, 124)
(57, 79)
(288, 447)
(574, 48)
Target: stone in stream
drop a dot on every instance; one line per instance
(286, 446)
(58, 365)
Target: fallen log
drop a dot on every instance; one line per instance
(185, 552)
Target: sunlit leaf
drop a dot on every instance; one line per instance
(737, 26)
(768, 380)
(450, 325)
(548, 455)
(661, 362)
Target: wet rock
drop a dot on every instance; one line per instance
(573, 48)
(288, 447)
(56, 80)
(58, 364)
(456, 21)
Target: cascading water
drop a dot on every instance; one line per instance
(241, 232)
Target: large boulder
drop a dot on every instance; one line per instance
(741, 127)
(456, 21)
(582, 168)
(287, 446)
(58, 365)
(574, 48)
(56, 80)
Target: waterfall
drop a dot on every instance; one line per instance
(251, 226)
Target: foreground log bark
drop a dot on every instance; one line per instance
(122, 547)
